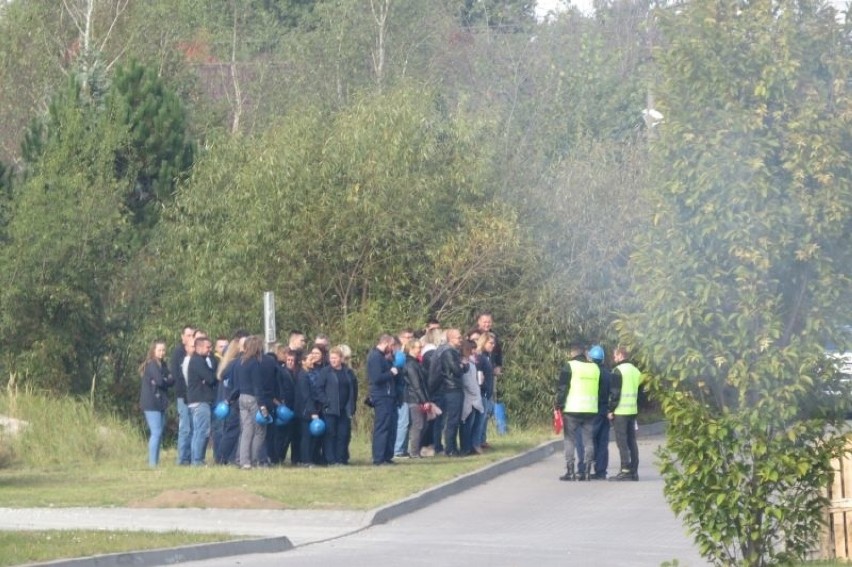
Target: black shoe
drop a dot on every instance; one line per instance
(622, 476)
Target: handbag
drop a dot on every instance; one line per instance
(557, 421)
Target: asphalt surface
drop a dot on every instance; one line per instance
(519, 513)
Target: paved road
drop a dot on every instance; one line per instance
(526, 517)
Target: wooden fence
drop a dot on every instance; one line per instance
(837, 537)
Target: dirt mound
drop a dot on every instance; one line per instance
(208, 498)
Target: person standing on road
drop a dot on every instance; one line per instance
(577, 397)
(623, 409)
(600, 429)
(153, 399)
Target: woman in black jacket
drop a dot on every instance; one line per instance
(337, 397)
(152, 397)
(307, 405)
(416, 395)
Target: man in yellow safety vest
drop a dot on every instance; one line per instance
(623, 409)
(577, 397)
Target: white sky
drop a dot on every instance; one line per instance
(585, 6)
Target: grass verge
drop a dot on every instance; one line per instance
(17, 548)
(360, 486)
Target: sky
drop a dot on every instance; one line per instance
(585, 6)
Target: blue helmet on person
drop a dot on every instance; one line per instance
(262, 419)
(283, 415)
(317, 427)
(596, 353)
(222, 410)
(399, 359)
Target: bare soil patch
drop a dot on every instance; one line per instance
(209, 498)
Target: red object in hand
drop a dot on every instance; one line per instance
(557, 421)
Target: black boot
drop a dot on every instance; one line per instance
(623, 475)
(587, 472)
(569, 472)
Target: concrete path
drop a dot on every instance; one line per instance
(523, 516)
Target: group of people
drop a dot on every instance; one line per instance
(591, 399)
(431, 392)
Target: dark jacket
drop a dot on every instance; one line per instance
(452, 370)
(434, 383)
(336, 391)
(155, 383)
(175, 362)
(268, 381)
(415, 380)
(201, 382)
(286, 393)
(306, 399)
(484, 365)
(380, 379)
(227, 390)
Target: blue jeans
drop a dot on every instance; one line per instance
(184, 442)
(481, 426)
(156, 422)
(468, 427)
(200, 432)
(402, 423)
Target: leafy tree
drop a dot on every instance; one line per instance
(159, 151)
(744, 267)
(66, 236)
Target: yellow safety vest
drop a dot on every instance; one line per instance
(583, 392)
(631, 378)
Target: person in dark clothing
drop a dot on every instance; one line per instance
(279, 435)
(577, 395)
(484, 325)
(253, 389)
(600, 429)
(153, 398)
(485, 345)
(431, 442)
(180, 352)
(353, 408)
(416, 396)
(307, 408)
(225, 443)
(449, 366)
(623, 409)
(337, 394)
(381, 376)
(200, 392)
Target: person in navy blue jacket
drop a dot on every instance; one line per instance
(307, 406)
(337, 394)
(381, 379)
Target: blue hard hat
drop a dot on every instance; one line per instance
(399, 359)
(283, 415)
(596, 353)
(262, 419)
(317, 427)
(222, 410)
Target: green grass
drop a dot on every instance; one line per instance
(17, 548)
(360, 486)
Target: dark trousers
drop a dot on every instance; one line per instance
(453, 399)
(306, 442)
(625, 440)
(278, 440)
(296, 441)
(337, 431)
(415, 434)
(574, 424)
(230, 439)
(600, 437)
(384, 429)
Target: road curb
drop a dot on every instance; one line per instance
(174, 555)
(460, 484)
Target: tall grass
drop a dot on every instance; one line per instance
(65, 431)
